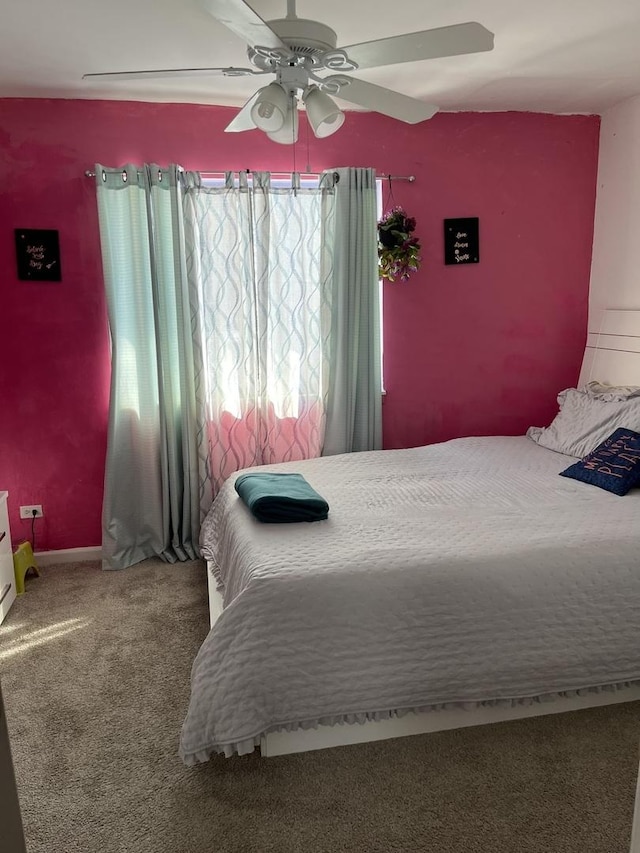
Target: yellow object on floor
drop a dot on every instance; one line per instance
(23, 561)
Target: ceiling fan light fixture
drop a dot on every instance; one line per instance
(270, 109)
(288, 133)
(325, 117)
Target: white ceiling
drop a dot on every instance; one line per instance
(550, 55)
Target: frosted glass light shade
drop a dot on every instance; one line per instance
(288, 133)
(270, 109)
(325, 117)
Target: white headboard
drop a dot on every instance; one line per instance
(612, 353)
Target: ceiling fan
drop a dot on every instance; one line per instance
(297, 51)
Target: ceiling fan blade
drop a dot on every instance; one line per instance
(240, 18)
(243, 120)
(106, 76)
(384, 101)
(427, 44)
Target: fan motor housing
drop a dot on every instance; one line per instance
(305, 37)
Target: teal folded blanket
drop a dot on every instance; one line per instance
(281, 498)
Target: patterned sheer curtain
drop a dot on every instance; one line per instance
(260, 267)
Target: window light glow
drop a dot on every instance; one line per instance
(42, 636)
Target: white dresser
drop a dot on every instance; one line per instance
(7, 577)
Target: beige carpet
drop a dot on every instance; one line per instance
(95, 673)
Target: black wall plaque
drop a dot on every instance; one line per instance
(38, 255)
(461, 241)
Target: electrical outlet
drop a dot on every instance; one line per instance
(27, 511)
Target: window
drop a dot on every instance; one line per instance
(309, 182)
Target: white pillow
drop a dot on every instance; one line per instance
(585, 421)
(611, 393)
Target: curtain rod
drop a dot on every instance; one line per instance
(410, 178)
(89, 173)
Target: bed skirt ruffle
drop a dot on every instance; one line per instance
(247, 745)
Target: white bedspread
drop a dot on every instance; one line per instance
(463, 572)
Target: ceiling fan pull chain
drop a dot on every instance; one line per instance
(294, 139)
(307, 141)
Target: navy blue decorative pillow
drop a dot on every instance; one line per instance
(614, 465)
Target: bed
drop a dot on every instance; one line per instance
(451, 585)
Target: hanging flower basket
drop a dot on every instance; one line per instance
(398, 250)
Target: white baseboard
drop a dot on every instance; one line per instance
(68, 555)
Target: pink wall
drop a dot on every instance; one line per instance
(477, 349)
